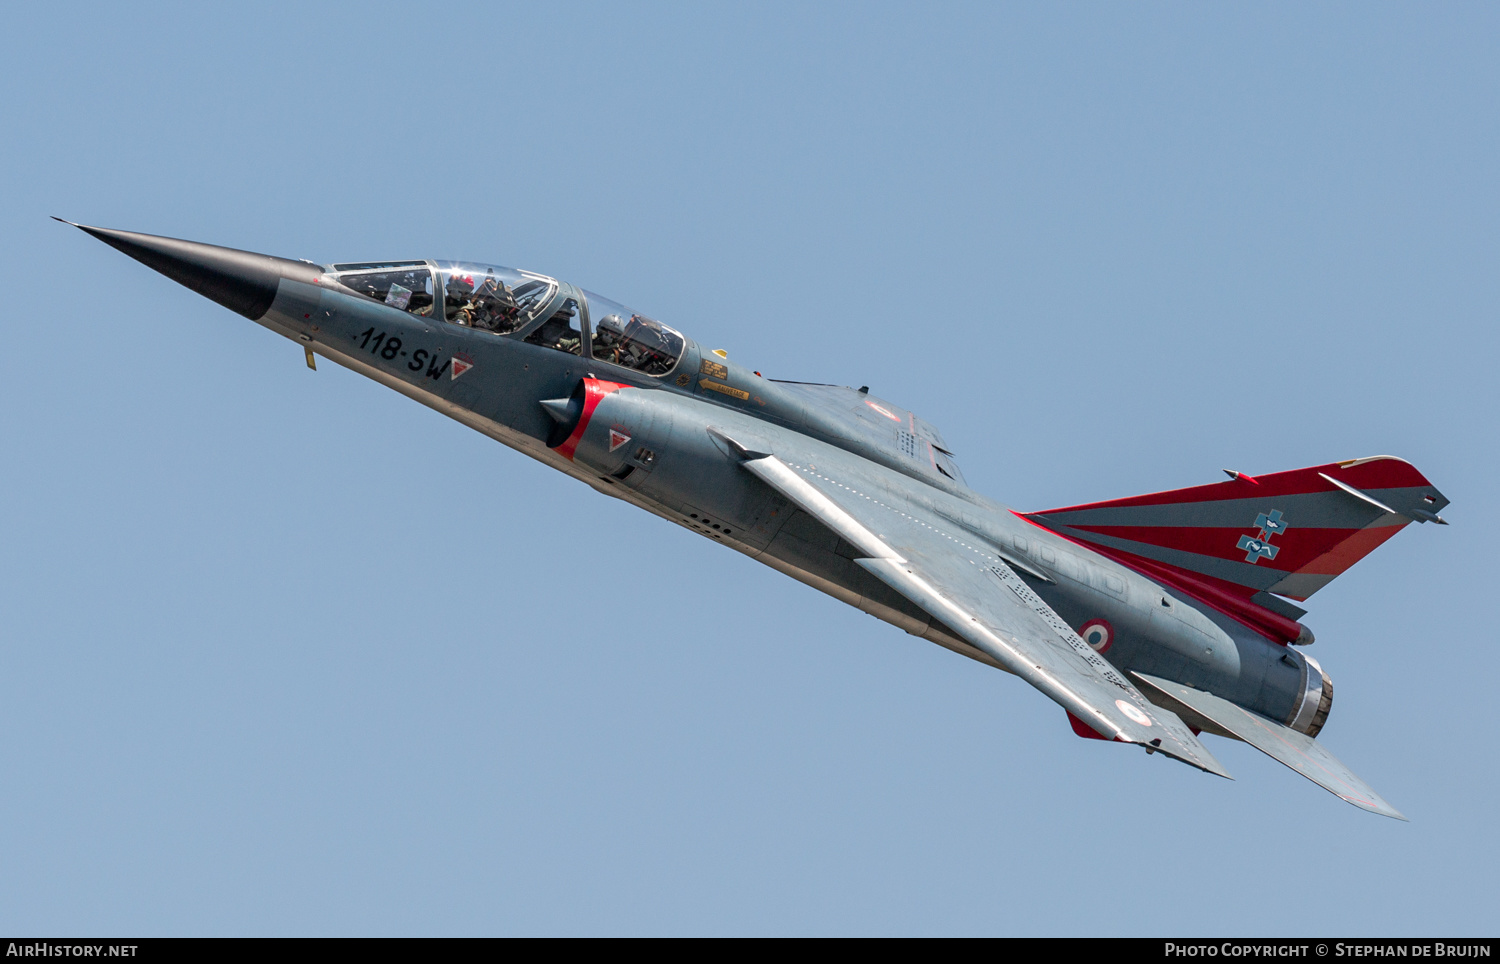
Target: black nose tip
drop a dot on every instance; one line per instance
(241, 281)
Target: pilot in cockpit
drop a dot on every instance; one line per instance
(490, 307)
(458, 294)
(609, 338)
(558, 332)
(494, 307)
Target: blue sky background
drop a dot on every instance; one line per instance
(285, 653)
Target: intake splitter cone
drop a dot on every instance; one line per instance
(241, 281)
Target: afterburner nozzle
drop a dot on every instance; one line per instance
(241, 281)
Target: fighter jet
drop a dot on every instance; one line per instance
(1150, 620)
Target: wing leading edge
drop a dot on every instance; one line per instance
(975, 594)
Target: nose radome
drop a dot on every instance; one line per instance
(241, 281)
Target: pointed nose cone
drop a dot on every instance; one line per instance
(239, 280)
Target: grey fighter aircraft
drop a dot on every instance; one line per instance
(1151, 620)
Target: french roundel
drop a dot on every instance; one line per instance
(1134, 712)
(1098, 633)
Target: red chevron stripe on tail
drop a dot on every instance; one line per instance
(1288, 533)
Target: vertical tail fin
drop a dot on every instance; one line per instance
(1288, 533)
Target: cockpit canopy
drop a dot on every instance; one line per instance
(491, 298)
(401, 284)
(629, 339)
(508, 302)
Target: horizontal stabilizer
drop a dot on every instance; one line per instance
(1298, 751)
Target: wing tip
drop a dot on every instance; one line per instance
(1196, 760)
(1217, 770)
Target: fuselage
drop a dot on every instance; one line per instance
(559, 374)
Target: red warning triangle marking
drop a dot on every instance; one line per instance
(459, 367)
(617, 439)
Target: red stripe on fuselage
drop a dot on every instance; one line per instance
(594, 391)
